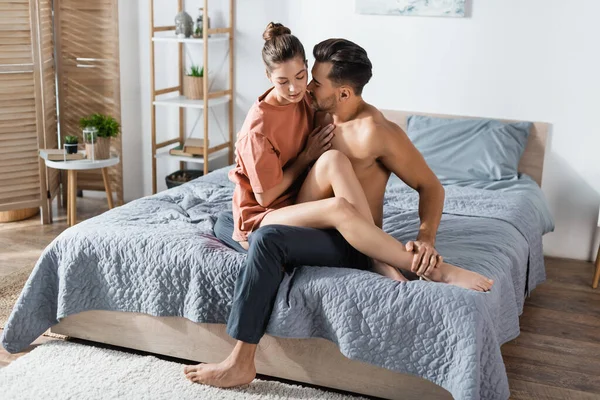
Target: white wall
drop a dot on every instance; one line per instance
(131, 110)
(534, 60)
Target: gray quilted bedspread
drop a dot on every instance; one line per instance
(157, 255)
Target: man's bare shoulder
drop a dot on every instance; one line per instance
(379, 131)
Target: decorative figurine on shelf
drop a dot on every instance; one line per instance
(184, 25)
(200, 23)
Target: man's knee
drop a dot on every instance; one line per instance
(341, 209)
(332, 161)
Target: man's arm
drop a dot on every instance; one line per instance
(399, 155)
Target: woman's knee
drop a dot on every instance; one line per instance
(267, 252)
(265, 235)
(223, 225)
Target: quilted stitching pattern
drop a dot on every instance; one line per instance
(157, 255)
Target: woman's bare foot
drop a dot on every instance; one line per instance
(389, 271)
(224, 375)
(448, 273)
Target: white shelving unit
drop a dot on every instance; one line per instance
(212, 39)
(181, 101)
(210, 100)
(196, 160)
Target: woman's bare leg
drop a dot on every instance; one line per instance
(333, 176)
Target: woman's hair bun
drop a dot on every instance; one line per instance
(275, 29)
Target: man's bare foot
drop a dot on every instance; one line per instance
(448, 273)
(224, 375)
(389, 271)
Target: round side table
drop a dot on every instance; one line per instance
(79, 165)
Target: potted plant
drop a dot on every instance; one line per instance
(197, 33)
(99, 140)
(193, 83)
(71, 144)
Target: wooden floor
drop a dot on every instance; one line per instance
(557, 355)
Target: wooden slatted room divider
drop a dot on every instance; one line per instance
(47, 76)
(87, 40)
(27, 105)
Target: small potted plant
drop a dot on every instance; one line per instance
(71, 144)
(193, 83)
(197, 33)
(106, 127)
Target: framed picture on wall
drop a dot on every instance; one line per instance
(430, 8)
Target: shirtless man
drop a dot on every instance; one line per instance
(376, 147)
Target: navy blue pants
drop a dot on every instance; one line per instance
(274, 250)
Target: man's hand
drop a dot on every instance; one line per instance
(425, 258)
(318, 143)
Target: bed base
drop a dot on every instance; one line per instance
(313, 361)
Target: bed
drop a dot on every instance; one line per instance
(150, 276)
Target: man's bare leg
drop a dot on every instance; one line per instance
(238, 369)
(333, 176)
(338, 213)
(387, 270)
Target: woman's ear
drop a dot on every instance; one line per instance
(268, 74)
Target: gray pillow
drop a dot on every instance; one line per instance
(469, 150)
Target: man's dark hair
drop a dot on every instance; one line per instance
(351, 66)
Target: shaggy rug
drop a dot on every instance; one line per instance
(64, 370)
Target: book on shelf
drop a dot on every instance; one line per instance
(178, 151)
(194, 146)
(60, 155)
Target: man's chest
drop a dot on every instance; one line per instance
(350, 142)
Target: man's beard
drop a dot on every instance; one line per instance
(326, 105)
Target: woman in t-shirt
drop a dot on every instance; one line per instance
(275, 147)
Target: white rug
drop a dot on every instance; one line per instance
(64, 370)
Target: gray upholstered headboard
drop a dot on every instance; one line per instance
(532, 161)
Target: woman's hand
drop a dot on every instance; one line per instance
(319, 141)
